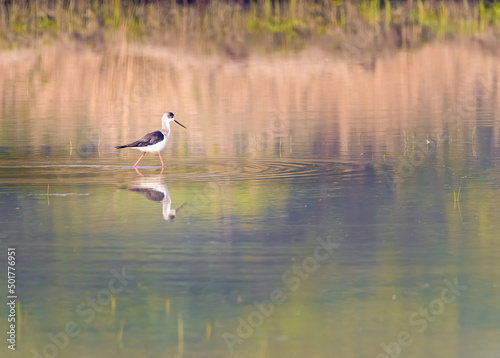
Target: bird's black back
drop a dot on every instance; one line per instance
(146, 141)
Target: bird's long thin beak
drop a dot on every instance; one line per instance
(179, 124)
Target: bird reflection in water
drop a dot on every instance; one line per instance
(154, 189)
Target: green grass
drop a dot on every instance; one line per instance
(218, 26)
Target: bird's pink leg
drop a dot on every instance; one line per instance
(162, 164)
(138, 172)
(139, 159)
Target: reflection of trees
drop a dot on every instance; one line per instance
(397, 239)
(259, 106)
(400, 244)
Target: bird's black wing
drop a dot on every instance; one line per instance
(151, 194)
(146, 141)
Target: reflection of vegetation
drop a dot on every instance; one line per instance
(275, 23)
(216, 25)
(47, 24)
(396, 247)
(371, 10)
(380, 281)
(489, 16)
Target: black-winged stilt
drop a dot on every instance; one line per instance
(155, 189)
(154, 142)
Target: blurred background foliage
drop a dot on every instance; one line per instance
(236, 27)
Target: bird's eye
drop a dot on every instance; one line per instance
(170, 115)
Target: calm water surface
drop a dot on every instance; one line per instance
(322, 208)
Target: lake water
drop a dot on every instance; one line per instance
(324, 207)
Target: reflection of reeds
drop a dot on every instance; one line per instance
(113, 304)
(208, 331)
(180, 333)
(167, 307)
(213, 26)
(122, 94)
(456, 195)
(456, 200)
(119, 336)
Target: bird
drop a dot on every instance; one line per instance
(155, 189)
(154, 142)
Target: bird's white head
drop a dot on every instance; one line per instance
(167, 118)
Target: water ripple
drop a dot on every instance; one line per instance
(193, 171)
